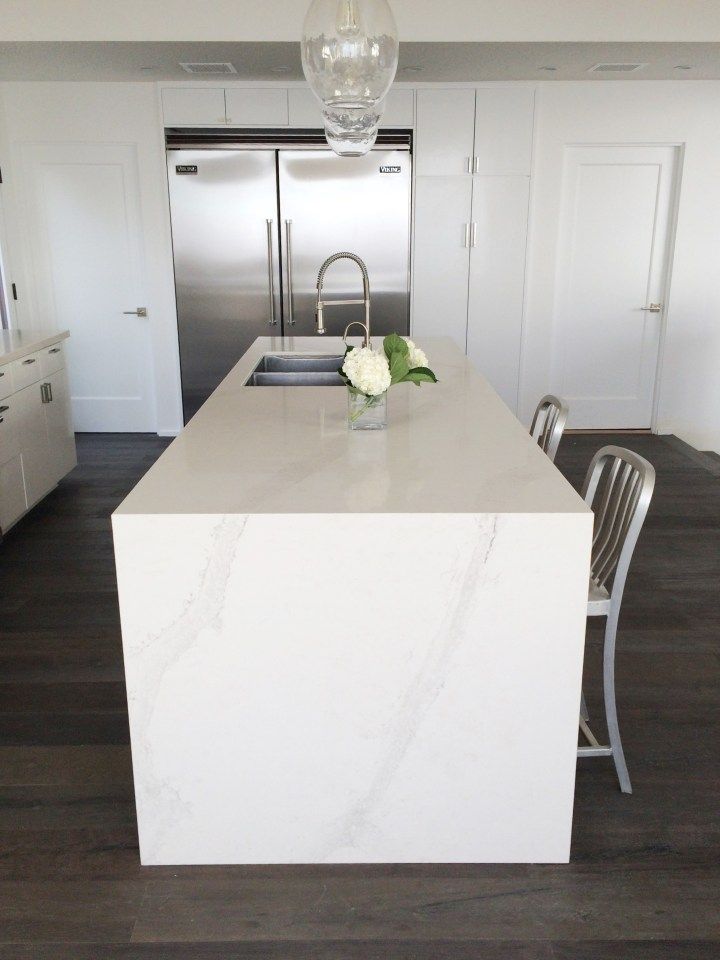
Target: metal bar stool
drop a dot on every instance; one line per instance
(623, 482)
(548, 424)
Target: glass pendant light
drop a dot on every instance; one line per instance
(349, 57)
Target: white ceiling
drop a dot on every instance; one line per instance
(418, 61)
(418, 20)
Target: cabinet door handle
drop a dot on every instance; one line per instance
(473, 241)
(468, 164)
(31, 360)
(476, 165)
(466, 240)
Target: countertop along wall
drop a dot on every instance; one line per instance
(678, 112)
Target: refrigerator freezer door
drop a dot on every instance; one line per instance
(225, 245)
(360, 204)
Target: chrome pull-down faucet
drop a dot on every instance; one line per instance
(320, 303)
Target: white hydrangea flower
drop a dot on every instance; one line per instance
(416, 357)
(367, 370)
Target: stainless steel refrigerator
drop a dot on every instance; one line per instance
(251, 226)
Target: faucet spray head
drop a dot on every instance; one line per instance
(320, 321)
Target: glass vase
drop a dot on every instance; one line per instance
(366, 413)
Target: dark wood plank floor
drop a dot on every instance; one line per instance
(645, 877)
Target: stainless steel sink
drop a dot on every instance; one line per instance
(296, 370)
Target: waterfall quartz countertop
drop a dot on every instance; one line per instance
(450, 447)
(353, 646)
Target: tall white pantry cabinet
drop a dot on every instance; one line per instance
(473, 152)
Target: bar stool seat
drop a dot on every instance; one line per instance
(598, 600)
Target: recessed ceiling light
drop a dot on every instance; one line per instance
(411, 69)
(549, 69)
(683, 66)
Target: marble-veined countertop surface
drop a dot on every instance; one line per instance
(450, 447)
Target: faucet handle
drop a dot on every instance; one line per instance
(357, 323)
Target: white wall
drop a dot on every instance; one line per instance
(687, 114)
(418, 20)
(98, 113)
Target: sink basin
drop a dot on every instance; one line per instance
(296, 370)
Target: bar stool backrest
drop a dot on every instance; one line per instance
(622, 482)
(548, 424)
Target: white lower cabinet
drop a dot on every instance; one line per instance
(35, 448)
(12, 491)
(61, 436)
(37, 443)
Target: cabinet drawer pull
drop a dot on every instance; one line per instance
(54, 350)
(2, 373)
(31, 360)
(4, 409)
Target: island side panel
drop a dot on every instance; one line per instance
(353, 688)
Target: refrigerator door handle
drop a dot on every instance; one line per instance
(288, 251)
(271, 275)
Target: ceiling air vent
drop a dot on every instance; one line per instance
(616, 67)
(208, 69)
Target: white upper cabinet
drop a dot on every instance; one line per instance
(305, 110)
(497, 280)
(193, 106)
(252, 106)
(445, 130)
(442, 252)
(504, 130)
(219, 106)
(399, 108)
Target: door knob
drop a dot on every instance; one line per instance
(137, 312)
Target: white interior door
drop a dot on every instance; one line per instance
(615, 240)
(87, 253)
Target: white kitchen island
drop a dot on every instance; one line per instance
(353, 646)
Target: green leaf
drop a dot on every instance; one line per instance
(419, 375)
(399, 367)
(394, 343)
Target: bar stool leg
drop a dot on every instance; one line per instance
(610, 706)
(583, 707)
